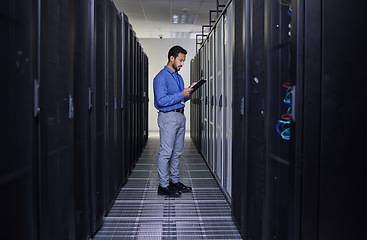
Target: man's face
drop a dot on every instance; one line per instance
(178, 62)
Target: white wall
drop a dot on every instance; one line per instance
(157, 51)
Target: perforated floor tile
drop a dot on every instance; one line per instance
(140, 213)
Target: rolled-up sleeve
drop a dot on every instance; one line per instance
(187, 98)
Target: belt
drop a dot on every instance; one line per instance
(181, 110)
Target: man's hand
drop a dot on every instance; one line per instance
(187, 91)
(192, 84)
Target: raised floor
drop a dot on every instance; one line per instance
(140, 213)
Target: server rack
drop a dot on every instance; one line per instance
(295, 121)
(64, 136)
(193, 63)
(119, 148)
(277, 115)
(247, 166)
(238, 118)
(57, 119)
(212, 104)
(146, 96)
(111, 104)
(256, 80)
(218, 100)
(227, 98)
(212, 100)
(19, 142)
(126, 94)
(100, 110)
(329, 59)
(95, 221)
(128, 98)
(139, 99)
(124, 71)
(263, 69)
(194, 106)
(133, 97)
(131, 103)
(84, 118)
(201, 131)
(136, 98)
(146, 69)
(204, 72)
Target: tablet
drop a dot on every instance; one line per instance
(198, 84)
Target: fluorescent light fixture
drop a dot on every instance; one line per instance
(183, 18)
(180, 35)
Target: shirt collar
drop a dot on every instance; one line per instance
(169, 70)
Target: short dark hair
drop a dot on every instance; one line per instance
(175, 50)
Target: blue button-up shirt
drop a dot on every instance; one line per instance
(168, 86)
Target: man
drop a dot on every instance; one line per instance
(170, 96)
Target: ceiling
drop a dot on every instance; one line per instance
(154, 18)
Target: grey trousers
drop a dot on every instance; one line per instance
(172, 135)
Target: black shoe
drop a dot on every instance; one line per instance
(169, 191)
(180, 187)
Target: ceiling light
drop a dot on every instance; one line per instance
(183, 18)
(180, 35)
(174, 18)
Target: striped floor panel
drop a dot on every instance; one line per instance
(140, 213)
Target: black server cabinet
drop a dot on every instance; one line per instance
(248, 118)
(330, 56)
(342, 125)
(192, 112)
(83, 136)
(193, 107)
(138, 85)
(238, 153)
(131, 100)
(254, 117)
(134, 115)
(92, 123)
(57, 206)
(120, 176)
(277, 119)
(122, 76)
(19, 119)
(141, 99)
(125, 102)
(134, 79)
(195, 104)
(110, 97)
(192, 117)
(100, 111)
(261, 107)
(146, 70)
(199, 103)
(128, 96)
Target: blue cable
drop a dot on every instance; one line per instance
(286, 133)
(288, 98)
(289, 12)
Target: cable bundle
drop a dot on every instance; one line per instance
(283, 126)
(285, 2)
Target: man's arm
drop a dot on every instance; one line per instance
(187, 92)
(165, 99)
(187, 98)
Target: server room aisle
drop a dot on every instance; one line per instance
(140, 213)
